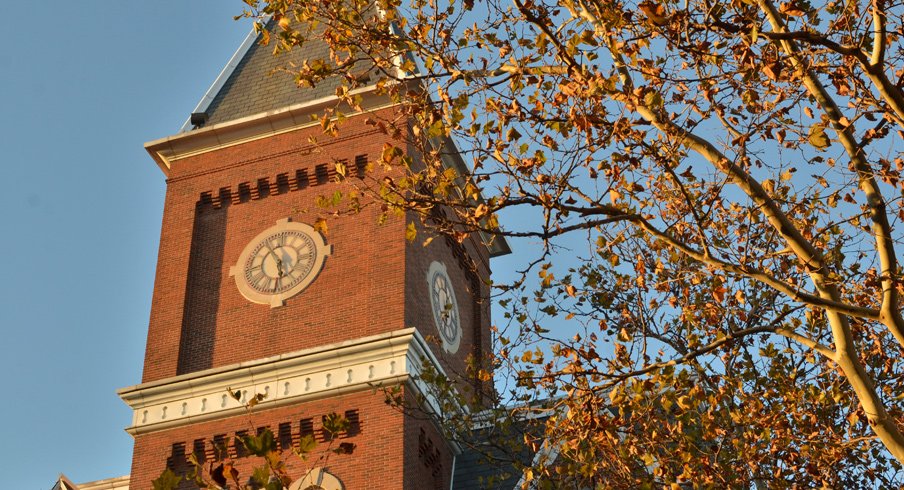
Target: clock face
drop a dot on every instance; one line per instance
(280, 262)
(445, 307)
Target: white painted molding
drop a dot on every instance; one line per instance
(346, 367)
(119, 483)
(212, 137)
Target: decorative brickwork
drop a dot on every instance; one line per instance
(218, 447)
(281, 183)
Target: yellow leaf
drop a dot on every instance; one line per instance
(570, 290)
(817, 137)
(410, 232)
(320, 225)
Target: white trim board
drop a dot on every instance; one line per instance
(346, 367)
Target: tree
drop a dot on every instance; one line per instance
(716, 190)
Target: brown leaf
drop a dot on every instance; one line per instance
(570, 290)
(217, 476)
(655, 12)
(791, 9)
(773, 70)
(719, 293)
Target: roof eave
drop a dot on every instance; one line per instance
(256, 126)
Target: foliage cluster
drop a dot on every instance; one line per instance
(713, 189)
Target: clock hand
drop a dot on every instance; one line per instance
(279, 268)
(270, 249)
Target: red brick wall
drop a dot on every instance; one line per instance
(376, 462)
(428, 458)
(358, 293)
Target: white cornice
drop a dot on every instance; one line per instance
(345, 367)
(119, 483)
(256, 126)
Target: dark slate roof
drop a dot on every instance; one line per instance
(479, 469)
(257, 85)
(493, 459)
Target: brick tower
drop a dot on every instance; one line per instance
(252, 295)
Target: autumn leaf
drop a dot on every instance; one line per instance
(719, 293)
(321, 226)
(654, 11)
(217, 474)
(341, 169)
(257, 398)
(817, 137)
(791, 8)
(345, 448)
(167, 481)
(773, 70)
(306, 444)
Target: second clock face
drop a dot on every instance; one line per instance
(280, 261)
(445, 307)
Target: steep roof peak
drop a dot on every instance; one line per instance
(255, 81)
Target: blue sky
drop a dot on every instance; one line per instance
(83, 85)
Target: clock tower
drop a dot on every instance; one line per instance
(262, 292)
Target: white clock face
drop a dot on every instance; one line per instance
(280, 262)
(445, 307)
